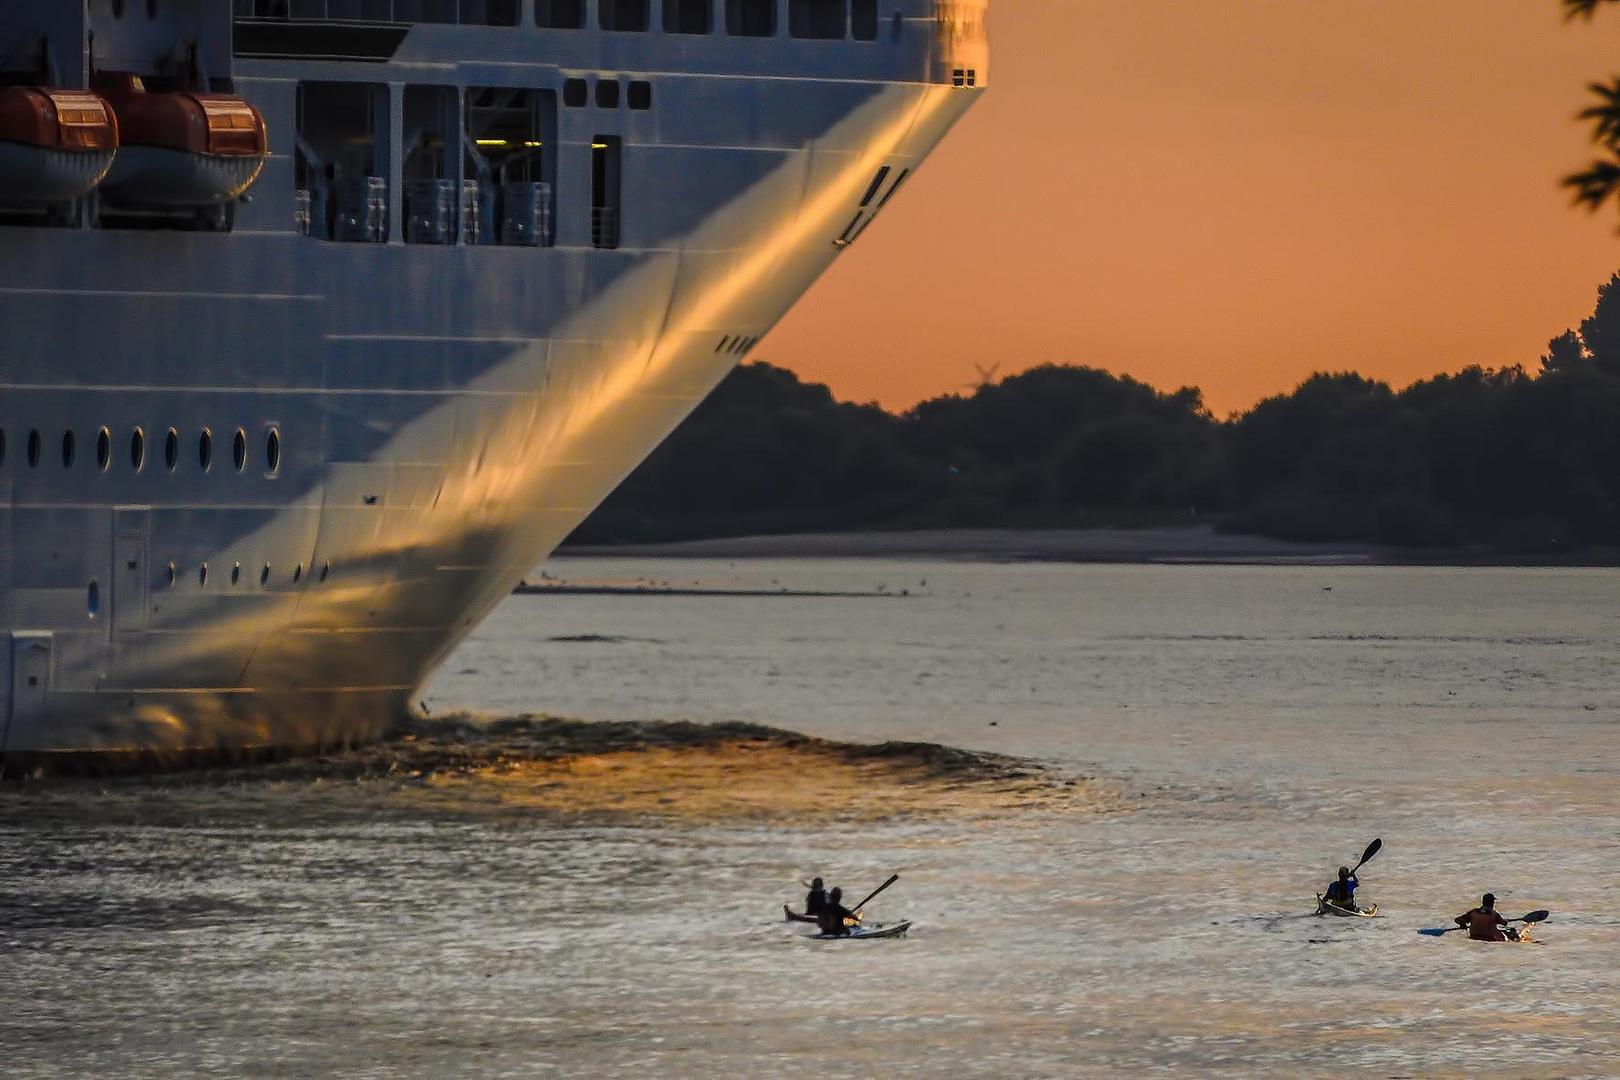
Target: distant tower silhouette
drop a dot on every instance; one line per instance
(987, 376)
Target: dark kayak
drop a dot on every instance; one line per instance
(866, 933)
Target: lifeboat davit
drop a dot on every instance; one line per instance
(55, 145)
(183, 148)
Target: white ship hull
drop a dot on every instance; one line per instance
(443, 417)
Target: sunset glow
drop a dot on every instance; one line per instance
(1233, 195)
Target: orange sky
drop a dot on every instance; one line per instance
(1233, 194)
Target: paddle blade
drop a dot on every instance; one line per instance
(1437, 931)
(1372, 849)
(875, 892)
(1537, 916)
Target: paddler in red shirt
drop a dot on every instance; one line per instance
(1485, 923)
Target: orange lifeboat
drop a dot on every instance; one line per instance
(55, 145)
(183, 148)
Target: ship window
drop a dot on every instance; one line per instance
(174, 574)
(863, 20)
(688, 16)
(512, 161)
(205, 449)
(466, 12)
(607, 94)
(605, 224)
(816, 19)
(171, 449)
(202, 574)
(575, 93)
(69, 449)
(894, 188)
(93, 599)
(236, 573)
(559, 14)
(341, 163)
(877, 182)
(623, 14)
(103, 449)
(326, 571)
(264, 574)
(639, 95)
(725, 343)
(432, 156)
(272, 451)
(751, 18)
(239, 450)
(33, 449)
(137, 449)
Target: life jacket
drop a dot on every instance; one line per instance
(1486, 925)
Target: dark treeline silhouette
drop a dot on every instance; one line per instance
(1521, 461)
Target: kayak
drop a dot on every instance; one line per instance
(866, 933)
(794, 916)
(1325, 908)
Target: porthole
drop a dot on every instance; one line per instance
(272, 451)
(202, 574)
(326, 569)
(137, 449)
(205, 450)
(93, 599)
(171, 449)
(236, 573)
(103, 449)
(33, 449)
(69, 449)
(239, 450)
(174, 574)
(264, 575)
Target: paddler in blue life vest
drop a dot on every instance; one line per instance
(1342, 893)
(834, 914)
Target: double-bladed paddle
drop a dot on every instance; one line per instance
(1372, 849)
(875, 891)
(1533, 917)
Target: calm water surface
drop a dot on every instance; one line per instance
(1264, 723)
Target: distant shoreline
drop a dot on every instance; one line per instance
(1164, 545)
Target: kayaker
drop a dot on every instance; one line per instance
(832, 916)
(1342, 893)
(1484, 923)
(816, 900)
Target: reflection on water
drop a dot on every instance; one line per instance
(1257, 731)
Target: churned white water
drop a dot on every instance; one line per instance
(1260, 724)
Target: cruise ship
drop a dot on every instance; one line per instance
(324, 321)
